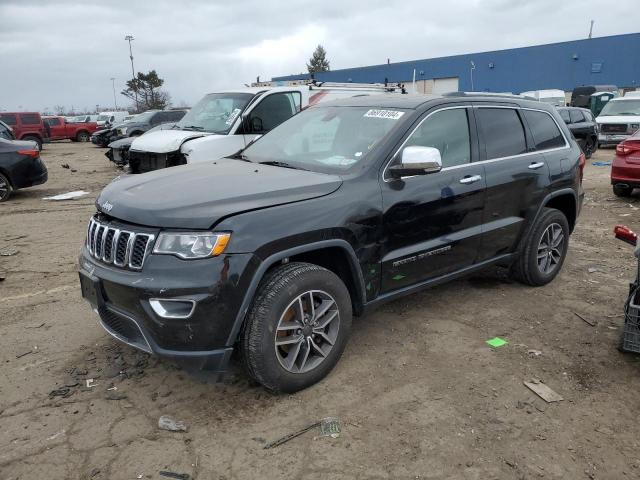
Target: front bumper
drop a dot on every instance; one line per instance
(200, 342)
(612, 138)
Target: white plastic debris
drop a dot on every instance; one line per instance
(167, 423)
(68, 195)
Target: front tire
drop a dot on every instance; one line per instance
(296, 328)
(5, 188)
(544, 250)
(590, 147)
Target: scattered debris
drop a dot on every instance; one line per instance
(9, 252)
(115, 396)
(593, 269)
(588, 322)
(24, 354)
(2, 277)
(179, 476)
(73, 170)
(94, 472)
(68, 195)
(535, 353)
(291, 436)
(63, 392)
(496, 342)
(65, 165)
(56, 435)
(37, 326)
(167, 423)
(601, 164)
(90, 382)
(110, 389)
(330, 427)
(544, 392)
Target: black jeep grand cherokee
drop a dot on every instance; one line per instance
(342, 207)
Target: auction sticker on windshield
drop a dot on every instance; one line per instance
(232, 116)
(391, 114)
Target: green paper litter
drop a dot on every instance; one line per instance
(497, 342)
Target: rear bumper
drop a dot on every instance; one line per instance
(623, 172)
(35, 173)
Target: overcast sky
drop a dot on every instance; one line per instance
(64, 52)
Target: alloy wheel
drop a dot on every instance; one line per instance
(4, 188)
(307, 331)
(550, 248)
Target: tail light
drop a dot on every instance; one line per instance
(30, 153)
(628, 147)
(582, 161)
(625, 234)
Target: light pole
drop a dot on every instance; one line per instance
(113, 84)
(471, 69)
(129, 38)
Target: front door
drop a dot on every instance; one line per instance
(56, 128)
(432, 223)
(271, 111)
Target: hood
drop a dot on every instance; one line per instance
(197, 196)
(24, 144)
(618, 119)
(164, 141)
(123, 142)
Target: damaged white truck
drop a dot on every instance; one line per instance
(225, 122)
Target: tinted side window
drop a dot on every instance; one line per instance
(448, 131)
(576, 116)
(545, 132)
(51, 121)
(175, 116)
(30, 119)
(8, 118)
(274, 110)
(503, 132)
(565, 116)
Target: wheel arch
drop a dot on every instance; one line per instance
(6, 174)
(82, 131)
(335, 255)
(566, 202)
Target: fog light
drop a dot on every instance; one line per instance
(172, 308)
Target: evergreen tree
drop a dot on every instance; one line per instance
(318, 61)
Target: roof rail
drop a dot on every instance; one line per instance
(387, 87)
(484, 94)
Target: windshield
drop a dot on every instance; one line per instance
(325, 139)
(215, 113)
(78, 119)
(621, 107)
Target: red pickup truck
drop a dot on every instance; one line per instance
(59, 129)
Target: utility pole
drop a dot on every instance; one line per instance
(129, 38)
(471, 69)
(591, 29)
(113, 84)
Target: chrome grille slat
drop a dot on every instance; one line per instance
(122, 248)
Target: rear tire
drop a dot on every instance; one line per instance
(622, 191)
(590, 147)
(5, 188)
(33, 138)
(286, 347)
(82, 137)
(544, 250)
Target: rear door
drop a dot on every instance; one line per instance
(432, 223)
(517, 177)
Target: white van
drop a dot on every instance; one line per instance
(111, 118)
(618, 120)
(552, 96)
(224, 122)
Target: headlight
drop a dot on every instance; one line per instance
(192, 244)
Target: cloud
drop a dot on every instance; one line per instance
(65, 52)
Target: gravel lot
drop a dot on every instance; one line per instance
(419, 393)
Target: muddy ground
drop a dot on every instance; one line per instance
(419, 392)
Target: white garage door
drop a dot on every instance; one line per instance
(444, 85)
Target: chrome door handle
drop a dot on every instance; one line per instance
(470, 179)
(535, 166)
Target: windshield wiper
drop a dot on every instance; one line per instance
(191, 127)
(239, 156)
(276, 163)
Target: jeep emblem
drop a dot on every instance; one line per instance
(106, 206)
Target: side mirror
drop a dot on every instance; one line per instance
(417, 161)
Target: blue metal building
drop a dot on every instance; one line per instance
(613, 60)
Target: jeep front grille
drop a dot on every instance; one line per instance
(122, 248)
